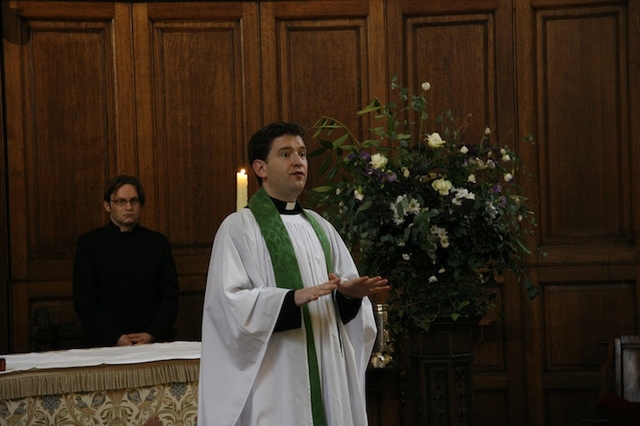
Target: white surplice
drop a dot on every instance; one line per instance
(250, 375)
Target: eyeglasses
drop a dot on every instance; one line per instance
(121, 202)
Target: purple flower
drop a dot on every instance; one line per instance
(387, 177)
(496, 189)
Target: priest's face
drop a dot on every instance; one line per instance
(284, 172)
(124, 207)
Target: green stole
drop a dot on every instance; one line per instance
(287, 274)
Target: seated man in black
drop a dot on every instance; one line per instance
(125, 286)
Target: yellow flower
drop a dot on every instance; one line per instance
(378, 161)
(442, 186)
(435, 141)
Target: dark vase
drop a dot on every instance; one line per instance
(438, 373)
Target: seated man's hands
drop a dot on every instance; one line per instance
(135, 339)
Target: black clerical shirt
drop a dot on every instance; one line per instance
(124, 282)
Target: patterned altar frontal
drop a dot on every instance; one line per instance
(152, 385)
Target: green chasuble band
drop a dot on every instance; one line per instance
(287, 274)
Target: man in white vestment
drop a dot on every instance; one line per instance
(287, 328)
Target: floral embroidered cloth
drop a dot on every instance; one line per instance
(145, 385)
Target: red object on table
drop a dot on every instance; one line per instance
(3, 365)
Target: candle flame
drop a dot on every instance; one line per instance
(242, 172)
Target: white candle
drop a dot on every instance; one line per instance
(242, 183)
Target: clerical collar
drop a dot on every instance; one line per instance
(287, 208)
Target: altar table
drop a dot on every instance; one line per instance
(145, 385)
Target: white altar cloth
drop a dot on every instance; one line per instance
(101, 356)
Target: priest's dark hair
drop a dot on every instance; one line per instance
(118, 182)
(262, 140)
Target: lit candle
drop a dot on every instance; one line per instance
(241, 190)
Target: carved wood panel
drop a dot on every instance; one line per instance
(64, 132)
(66, 135)
(585, 161)
(165, 91)
(464, 50)
(198, 93)
(583, 125)
(321, 58)
(4, 241)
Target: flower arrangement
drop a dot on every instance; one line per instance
(441, 217)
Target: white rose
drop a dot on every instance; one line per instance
(487, 131)
(506, 158)
(508, 177)
(426, 86)
(464, 149)
(442, 186)
(378, 161)
(435, 141)
(358, 195)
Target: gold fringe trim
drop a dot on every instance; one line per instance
(58, 381)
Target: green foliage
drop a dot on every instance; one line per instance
(438, 217)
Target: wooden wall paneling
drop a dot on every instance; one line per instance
(457, 47)
(322, 58)
(581, 120)
(198, 100)
(125, 114)
(383, 394)
(526, 112)
(63, 131)
(189, 321)
(4, 236)
(633, 42)
(588, 104)
(580, 313)
(497, 415)
(465, 50)
(55, 296)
